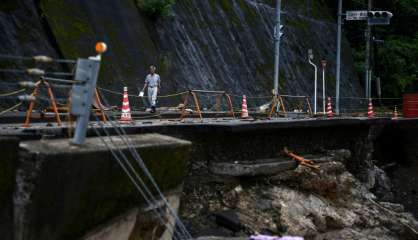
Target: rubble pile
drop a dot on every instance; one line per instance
(326, 204)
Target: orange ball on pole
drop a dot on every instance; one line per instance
(101, 47)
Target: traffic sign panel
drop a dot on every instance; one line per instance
(356, 15)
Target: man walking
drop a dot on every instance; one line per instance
(152, 82)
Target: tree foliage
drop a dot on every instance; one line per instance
(396, 60)
(156, 8)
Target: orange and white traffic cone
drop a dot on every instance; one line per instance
(126, 110)
(244, 111)
(395, 113)
(370, 113)
(330, 114)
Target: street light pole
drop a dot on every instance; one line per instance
(367, 70)
(311, 56)
(324, 66)
(277, 52)
(338, 70)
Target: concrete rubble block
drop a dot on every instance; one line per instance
(136, 224)
(120, 228)
(267, 167)
(326, 204)
(63, 190)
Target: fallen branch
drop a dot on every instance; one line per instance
(302, 161)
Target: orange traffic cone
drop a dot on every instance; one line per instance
(370, 112)
(126, 110)
(330, 114)
(244, 111)
(395, 113)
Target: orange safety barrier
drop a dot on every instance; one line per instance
(97, 104)
(277, 101)
(193, 94)
(51, 98)
(229, 102)
(309, 108)
(196, 102)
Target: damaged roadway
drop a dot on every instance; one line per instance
(329, 204)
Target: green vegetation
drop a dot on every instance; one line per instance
(155, 8)
(9, 5)
(69, 26)
(395, 60)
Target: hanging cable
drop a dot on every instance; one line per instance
(12, 93)
(10, 109)
(39, 58)
(132, 174)
(126, 140)
(35, 72)
(140, 162)
(50, 79)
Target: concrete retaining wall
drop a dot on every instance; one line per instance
(61, 191)
(8, 160)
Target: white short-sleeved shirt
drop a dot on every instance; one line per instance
(153, 80)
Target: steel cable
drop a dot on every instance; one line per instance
(145, 187)
(121, 132)
(129, 170)
(12, 93)
(39, 58)
(35, 71)
(140, 162)
(136, 96)
(10, 109)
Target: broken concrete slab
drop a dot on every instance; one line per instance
(271, 167)
(268, 167)
(64, 190)
(137, 224)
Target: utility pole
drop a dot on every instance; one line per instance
(310, 58)
(338, 70)
(374, 60)
(367, 76)
(324, 66)
(277, 37)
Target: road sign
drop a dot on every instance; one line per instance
(356, 15)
